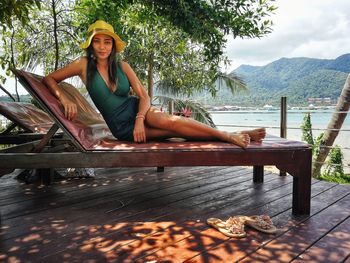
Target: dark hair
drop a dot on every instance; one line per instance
(92, 67)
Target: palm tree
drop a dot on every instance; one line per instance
(187, 108)
(230, 81)
(333, 128)
(197, 111)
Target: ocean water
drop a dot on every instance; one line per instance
(242, 120)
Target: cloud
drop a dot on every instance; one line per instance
(315, 28)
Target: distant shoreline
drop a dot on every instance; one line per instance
(249, 119)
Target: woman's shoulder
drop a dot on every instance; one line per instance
(79, 66)
(125, 67)
(123, 64)
(81, 61)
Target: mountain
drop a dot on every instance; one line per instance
(297, 78)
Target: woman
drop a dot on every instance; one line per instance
(128, 117)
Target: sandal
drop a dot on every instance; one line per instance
(261, 223)
(232, 227)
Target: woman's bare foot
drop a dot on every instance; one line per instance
(240, 139)
(256, 134)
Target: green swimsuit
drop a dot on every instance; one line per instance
(119, 109)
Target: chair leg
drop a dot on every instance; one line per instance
(46, 176)
(160, 169)
(258, 174)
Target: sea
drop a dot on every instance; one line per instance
(239, 120)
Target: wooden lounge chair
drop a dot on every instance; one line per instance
(32, 123)
(291, 156)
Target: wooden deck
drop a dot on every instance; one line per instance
(139, 215)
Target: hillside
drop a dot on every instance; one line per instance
(296, 78)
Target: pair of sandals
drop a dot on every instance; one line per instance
(234, 226)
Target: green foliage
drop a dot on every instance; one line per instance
(34, 44)
(209, 21)
(340, 179)
(178, 44)
(335, 162)
(16, 9)
(334, 171)
(316, 146)
(155, 44)
(88, 11)
(198, 112)
(158, 50)
(306, 130)
(306, 135)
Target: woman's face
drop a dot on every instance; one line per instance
(102, 45)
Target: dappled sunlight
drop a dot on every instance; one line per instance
(124, 240)
(139, 215)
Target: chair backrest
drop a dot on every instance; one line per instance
(26, 116)
(86, 130)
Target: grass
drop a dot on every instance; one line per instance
(336, 178)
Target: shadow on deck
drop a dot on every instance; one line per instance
(137, 214)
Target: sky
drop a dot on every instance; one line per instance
(302, 28)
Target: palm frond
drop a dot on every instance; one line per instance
(199, 113)
(166, 87)
(231, 81)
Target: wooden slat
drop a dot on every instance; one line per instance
(288, 246)
(125, 182)
(166, 219)
(322, 251)
(155, 215)
(324, 194)
(169, 218)
(93, 203)
(96, 220)
(210, 238)
(87, 196)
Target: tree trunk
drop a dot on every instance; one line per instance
(8, 93)
(150, 81)
(333, 127)
(54, 14)
(13, 63)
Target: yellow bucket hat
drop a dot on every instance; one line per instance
(101, 27)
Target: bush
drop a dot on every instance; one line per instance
(306, 129)
(335, 162)
(334, 171)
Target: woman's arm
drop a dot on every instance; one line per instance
(145, 102)
(76, 68)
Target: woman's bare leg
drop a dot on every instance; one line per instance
(189, 128)
(154, 133)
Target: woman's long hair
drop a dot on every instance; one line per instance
(92, 66)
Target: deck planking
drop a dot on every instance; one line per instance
(139, 215)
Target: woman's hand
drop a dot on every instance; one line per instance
(70, 108)
(139, 130)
